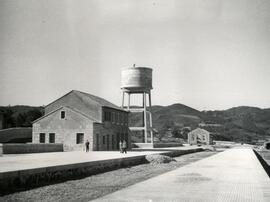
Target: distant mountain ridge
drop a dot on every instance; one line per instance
(243, 123)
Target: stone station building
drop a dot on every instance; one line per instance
(199, 136)
(77, 117)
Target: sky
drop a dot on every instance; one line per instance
(207, 54)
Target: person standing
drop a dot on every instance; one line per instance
(124, 146)
(121, 146)
(87, 146)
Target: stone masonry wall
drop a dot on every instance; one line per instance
(30, 148)
(107, 136)
(65, 129)
(113, 129)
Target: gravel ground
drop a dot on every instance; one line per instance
(99, 185)
(266, 155)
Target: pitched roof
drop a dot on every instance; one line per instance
(199, 131)
(87, 104)
(98, 100)
(89, 99)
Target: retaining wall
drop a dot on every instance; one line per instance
(174, 153)
(263, 160)
(162, 145)
(1, 149)
(31, 148)
(25, 179)
(155, 145)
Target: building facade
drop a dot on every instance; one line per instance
(77, 117)
(199, 136)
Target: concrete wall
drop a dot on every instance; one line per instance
(18, 180)
(164, 145)
(30, 148)
(65, 129)
(155, 145)
(264, 158)
(16, 135)
(1, 149)
(175, 153)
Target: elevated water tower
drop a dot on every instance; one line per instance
(138, 81)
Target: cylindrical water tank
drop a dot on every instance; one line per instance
(136, 79)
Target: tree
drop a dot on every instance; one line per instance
(176, 132)
(9, 121)
(184, 132)
(164, 129)
(21, 120)
(31, 116)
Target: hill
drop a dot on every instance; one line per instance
(241, 124)
(20, 115)
(173, 115)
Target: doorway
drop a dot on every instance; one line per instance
(97, 142)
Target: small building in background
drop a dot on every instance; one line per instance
(199, 136)
(77, 117)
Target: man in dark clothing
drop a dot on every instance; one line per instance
(124, 146)
(87, 146)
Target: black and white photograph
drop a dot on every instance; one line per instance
(135, 100)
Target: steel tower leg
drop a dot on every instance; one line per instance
(145, 117)
(128, 101)
(150, 117)
(123, 99)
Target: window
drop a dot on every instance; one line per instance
(113, 117)
(104, 140)
(120, 118)
(108, 140)
(113, 142)
(63, 114)
(79, 138)
(97, 145)
(117, 117)
(42, 137)
(117, 140)
(107, 116)
(52, 138)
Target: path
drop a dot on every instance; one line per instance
(15, 162)
(232, 175)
